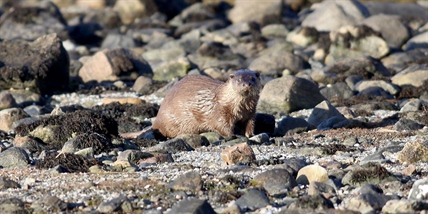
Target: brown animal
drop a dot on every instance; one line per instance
(199, 104)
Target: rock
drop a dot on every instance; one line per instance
(311, 173)
(322, 112)
(195, 140)
(265, 123)
(377, 157)
(414, 151)
(363, 40)
(25, 97)
(316, 188)
(409, 170)
(274, 30)
(313, 202)
(52, 203)
(367, 67)
(253, 199)
(414, 75)
(275, 60)
(287, 94)
(29, 22)
(114, 41)
(190, 181)
(367, 174)
(407, 124)
(404, 206)
(404, 10)
(173, 146)
(240, 153)
(337, 91)
(14, 157)
(131, 9)
(418, 191)
(142, 84)
(9, 116)
(29, 143)
(275, 181)
(303, 36)
(418, 41)
(158, 159)
(291, 125)
(7, 100)
(41, 66)
(390, 27)
(172, 69)
(411, 105)
(399, 61)
(133, 156)
(193, 205)
(195, 13)
(122, 100)
(367, 202)
(120, 203)
(331, 15)
(164, 54)
(270, 12)
(375, 91)
(98, 142)
(6, 183)
(12, 205)
(388, 87)
(113, 65)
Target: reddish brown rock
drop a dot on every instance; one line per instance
(238, 153)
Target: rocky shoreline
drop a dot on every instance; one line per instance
(341, 124)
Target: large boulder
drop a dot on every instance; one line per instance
(265, 13)
(287, 94)
(41, 66)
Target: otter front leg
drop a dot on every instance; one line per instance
(249, 128)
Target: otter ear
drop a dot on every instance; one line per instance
(231, 76)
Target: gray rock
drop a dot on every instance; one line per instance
(291, 125)
(133, 156)
(407, 124)
(293, 165)
(7, 100)
(388, 87)
(9, 116)
(390, 27)
(374, 158)
(411, 105)
(53, 203)
(30, 22)
(142, 84)
(331, 15)
(287, 94)
(163, 54)
(269, 12)
(363, 40)
(414, 75)
(363, 66)
(113, 41)
(275, 181)
(367, 174)
(404, 206)
(303, 36)
(197, 9)
(274, 30)
(120, 203)
(414, 151)
(193, 205)
(98, 142)
(172, 69)
(174, 145)
(399, 61)
(316, 188)
(418, 191)
(14, 157)
(274, 61)
(322, 112)
(336, 122)
(313, 202)
(405, 10)
(190, 181)
(338, 91)
(418, 41)
(375, 91)
(195, 140)
(367, 202)
(6, 183)
(253, 199)
(352, 80)
(42, 65)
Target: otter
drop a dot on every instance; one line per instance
(198, 104)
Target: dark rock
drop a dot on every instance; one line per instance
(7, 100)
(404, 10)
(367, 174)
(407, 124)
(265, 123)
(195, 206)
(53, 203)
(275, 181)
(338, 90)
(253, 199)
(375, 92)
(97, 142)
(41, 66)
(12, 205)
(195, 140)
(322, 112)
(173, 146)
(367, 67)
(398, 61)
(291, 125)
(369, 200)
(314, 202)
(121, 204)
(65, 162)
(133, 156)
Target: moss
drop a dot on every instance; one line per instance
(369, 173)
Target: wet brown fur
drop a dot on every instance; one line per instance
(199, 104)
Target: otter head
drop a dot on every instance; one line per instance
(246, 82)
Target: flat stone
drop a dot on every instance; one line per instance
(253, 199)
(414, 75)
(190, 181)
(275, 181)
(14, 157)
(193, 205)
